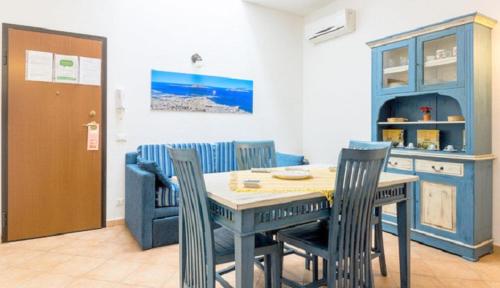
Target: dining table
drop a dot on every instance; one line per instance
(249, 211)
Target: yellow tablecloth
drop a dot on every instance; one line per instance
(322, 180)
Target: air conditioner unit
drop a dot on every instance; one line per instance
(336, 25)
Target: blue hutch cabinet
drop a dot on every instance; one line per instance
(447, 67)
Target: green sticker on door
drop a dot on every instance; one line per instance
(66, 63)
(65, 68)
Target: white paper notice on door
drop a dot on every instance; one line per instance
(90, 71)
(93, 137)
(39, 66)
(65, 68)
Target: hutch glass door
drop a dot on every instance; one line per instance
(397, 68)
(440, 59)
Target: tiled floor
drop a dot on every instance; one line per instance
(111, 258)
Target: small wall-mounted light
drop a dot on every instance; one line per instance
(196, 60)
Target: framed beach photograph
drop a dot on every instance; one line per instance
(183, 92)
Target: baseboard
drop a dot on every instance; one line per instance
(115, 222)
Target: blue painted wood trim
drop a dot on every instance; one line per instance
(469, 90)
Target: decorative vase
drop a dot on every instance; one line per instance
(427, 116)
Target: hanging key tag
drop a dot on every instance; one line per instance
(92, 136)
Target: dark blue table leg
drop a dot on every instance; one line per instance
(404, 210)
(244, 256)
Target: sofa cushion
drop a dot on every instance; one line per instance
(225, 159)
(283, 159)
(167, 196)
(159, 154)
(163, 212)
(152, 167)
(166, 192)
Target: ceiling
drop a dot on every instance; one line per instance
(299, 7)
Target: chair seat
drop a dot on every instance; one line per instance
(224, 245)
(311, 237)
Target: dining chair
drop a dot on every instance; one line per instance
(345, 240)
(259, 154)
(378, 247)
(201, 246)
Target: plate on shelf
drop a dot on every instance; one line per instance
(449, 150)
(292, 174)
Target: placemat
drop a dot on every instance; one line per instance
(322, 180)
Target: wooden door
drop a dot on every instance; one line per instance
(52, 184)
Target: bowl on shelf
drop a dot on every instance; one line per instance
(454, 118)
(396, 119)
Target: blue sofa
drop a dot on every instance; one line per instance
(154, 226)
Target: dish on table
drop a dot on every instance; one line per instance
(292, 174)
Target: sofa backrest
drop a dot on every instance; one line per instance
(218, 157)
(225, 159)
(159, 154)
(205, 153)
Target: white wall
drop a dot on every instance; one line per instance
(234, 38)
(337, 77)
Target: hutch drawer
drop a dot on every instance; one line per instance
(400, 163)
(439, 167)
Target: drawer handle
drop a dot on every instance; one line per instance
(393, 164)
(437, 170)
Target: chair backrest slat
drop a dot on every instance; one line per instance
(250, 155)
(196, 238)
(358, 174)
(355, 144)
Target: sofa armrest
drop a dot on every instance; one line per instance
(131, 158)
(140, 204)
